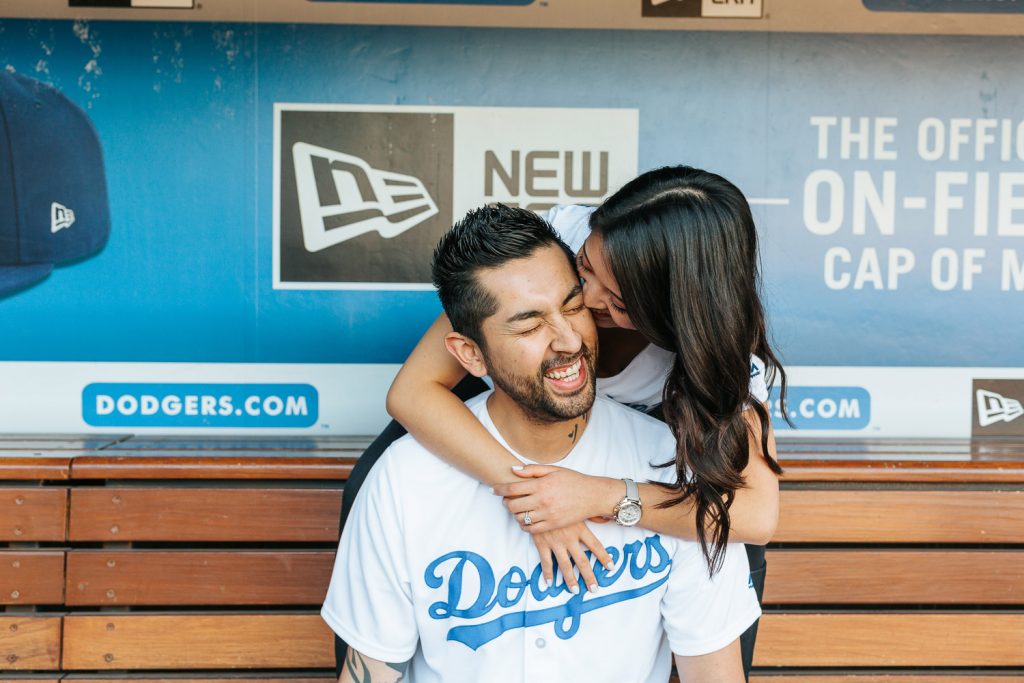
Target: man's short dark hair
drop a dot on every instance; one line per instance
(487, 237)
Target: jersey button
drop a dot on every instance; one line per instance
(540, 642)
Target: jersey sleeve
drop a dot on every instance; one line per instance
(758, 384)
(369, 600)
(703, 614)
(571, 222)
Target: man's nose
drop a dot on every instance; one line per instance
(567, 339)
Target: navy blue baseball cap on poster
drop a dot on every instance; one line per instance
(53, 192)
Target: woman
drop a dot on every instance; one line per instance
(669, 266)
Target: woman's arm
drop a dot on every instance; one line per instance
(754, 513)
(563, 497)
(420, 398)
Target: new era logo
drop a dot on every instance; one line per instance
(61, 217)
(341, 197)
(996, 405)
(993, 408)
(363, 193)
(362, 196)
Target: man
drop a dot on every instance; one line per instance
(436, 581)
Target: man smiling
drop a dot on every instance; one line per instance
(436, 581)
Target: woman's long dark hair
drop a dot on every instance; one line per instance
(682, 245)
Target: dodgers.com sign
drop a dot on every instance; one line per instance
(838, 408)
(200, 405)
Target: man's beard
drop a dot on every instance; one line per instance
(534, 399)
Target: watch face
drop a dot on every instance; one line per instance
(629, 514)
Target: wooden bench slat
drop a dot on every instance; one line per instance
(198, 641)
(892, 471)
(288, 444)
(33, 514)
(229, 465)
(33, 577)
(204, 514)
(272, 465)
(902, 460)
(57, 442)
(901, 516)
(895, 577)
(31, 467)
(30, 643)
(148, 577)
(987, 446)
(888, 640)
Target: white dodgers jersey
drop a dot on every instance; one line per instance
(433, 568)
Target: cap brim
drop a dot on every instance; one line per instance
(13, 278)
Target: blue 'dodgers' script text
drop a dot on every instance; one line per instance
(637, 560)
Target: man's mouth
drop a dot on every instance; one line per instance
(567, 376)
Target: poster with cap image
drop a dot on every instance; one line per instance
(53, 192)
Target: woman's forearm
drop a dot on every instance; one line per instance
(420, 398)
(753, 515)
(448, 429)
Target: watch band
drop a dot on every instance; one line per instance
(632, 490)
(631, 503)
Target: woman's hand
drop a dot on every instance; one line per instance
(568, 545)
(558, 500)
(557, 497)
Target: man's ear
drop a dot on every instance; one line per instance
(467, 352)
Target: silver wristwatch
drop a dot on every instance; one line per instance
(628, 511)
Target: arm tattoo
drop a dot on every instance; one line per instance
(362, 671)
(357, 667)
(401, 668)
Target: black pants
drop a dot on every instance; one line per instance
(465, 390)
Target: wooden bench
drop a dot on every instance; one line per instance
(156, 557)
(897, 554)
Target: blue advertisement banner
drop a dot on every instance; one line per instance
(892, 225)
